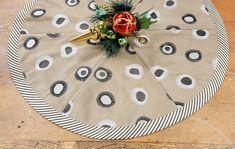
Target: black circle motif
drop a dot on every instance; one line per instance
(130, 50)
(158, 72)
(186, 81)
(31, 43)
(23, 32)
(180, 104)
(143, 119)
(173, 28)
(134, 71)
(44, 64)
(193, 55)
(67, 108)
(170, 4)
(142, 41)
(84, 26)
(53, 35)
(200, 34)
(189, 19)
(37, 13)
(168, 48)
(72, 3)
(58, 88)
(91, 5)
(83, 73)
(105, 99)
(60, 20)
(24, 75)
(154, 15)
(140, 96)
(102, 74)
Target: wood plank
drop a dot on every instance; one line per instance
(211, 127)
(107, 145)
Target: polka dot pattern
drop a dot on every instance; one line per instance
(43, 63)
(105, 99)
(205, 10)
(179, 104)
(142, 41)
(173, 29)
(189, 19)
(140, 96)
(103, 75)
(31, 43)
(91, 5)
(159, 72)
(68, 50)
(135, 71)
(185, 81)
(170, 4)
(58, 88)
(83, 73)
(82, 26)
(134, 76)
(60, 20)
(37, 13)
(68, 108)
(200, 34)
(106, 124)
(154, 15)
(193, 55)
(24, 31)
(72, 3)
(130, 50)
(24, 75)
(142, 119)
(168, 48)
(53, 35)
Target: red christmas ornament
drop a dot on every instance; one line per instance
(124, 23)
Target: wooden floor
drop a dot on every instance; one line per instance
(212, 127)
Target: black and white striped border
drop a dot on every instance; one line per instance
(125, 132)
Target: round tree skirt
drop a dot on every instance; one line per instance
(147, 87)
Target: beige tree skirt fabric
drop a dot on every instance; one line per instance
(143, 82)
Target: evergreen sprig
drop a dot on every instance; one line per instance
(125, 5)
(103, 13)
(110, 46)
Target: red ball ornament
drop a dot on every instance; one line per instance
(124, 23)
